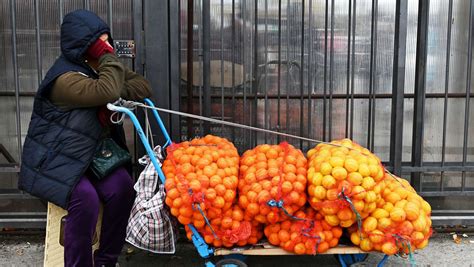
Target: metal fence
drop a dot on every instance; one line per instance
(29, 44)
(393, 75)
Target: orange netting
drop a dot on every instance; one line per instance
(201, 179)
(343, 181)
(231, 230)
(272, 182)
(400, 224)
(309, 234)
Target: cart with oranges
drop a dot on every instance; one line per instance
(220, 224)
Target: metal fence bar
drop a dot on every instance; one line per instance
(200, 60)
(138, 62)
(326, 11)
(252, 61)
(438, 168)
(310, 69)
(266, 70)
(468, 90)
(279, 68)
(302, 72)
(446, 194)
(61, 12)
(374, 87)
(206, 46)
(243, 11)
(222, 65)
(446, 91)
(420, 87)
(254, 135)
(288, 75)
(16, 76)
(189, 64)
(349, 21)
(137, 9)
(233, 66)
(398, 86)
(331, 70)
(174, 10)
(39, 57)
(6, 154)
(86, 4)
(312, 96)
(159, 46)
(351, 136)
(110, 16)
(373, 59)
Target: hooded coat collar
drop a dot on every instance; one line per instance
(79, 30)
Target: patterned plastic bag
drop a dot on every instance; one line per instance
(151, 226)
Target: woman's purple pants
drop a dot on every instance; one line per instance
(117, 195)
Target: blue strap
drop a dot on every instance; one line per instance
(312, 236)
(205, 219)
(382, 262)
(305, 231)
(190, 192)
(406, 244)
(279, 204)
(317, 237)
(410, 255)
(358, 216)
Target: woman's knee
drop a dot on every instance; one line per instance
(84, 199)
(123, 185)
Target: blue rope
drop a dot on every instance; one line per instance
(190, 191)
(205, 219)
(305, 232)
(313, 236)
(406, 244)
(279, 204)
(410, 255)
(317, 237)
(358, 217)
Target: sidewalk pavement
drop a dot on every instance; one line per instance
(27, 250)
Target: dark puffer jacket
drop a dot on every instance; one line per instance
(60, 143)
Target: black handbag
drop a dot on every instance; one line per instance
(108, 158)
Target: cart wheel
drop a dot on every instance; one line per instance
(352, 259)
(230, 263)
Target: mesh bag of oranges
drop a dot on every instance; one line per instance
(201, 179)
(232, 229)
(400, 224)
(308, 233)
(272, 182)
(343, 181)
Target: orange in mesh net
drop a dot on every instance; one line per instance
(272, 182)
(343, 181)
(201, 179)
(309, 234)
(231, 230)
(400, 224)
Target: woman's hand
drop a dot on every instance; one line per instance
(100, 47)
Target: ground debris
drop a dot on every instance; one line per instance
(457, 239)
(19, 252)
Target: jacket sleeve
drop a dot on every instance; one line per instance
(76, 90)
(136, 87)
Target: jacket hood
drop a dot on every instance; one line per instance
(79, 30)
